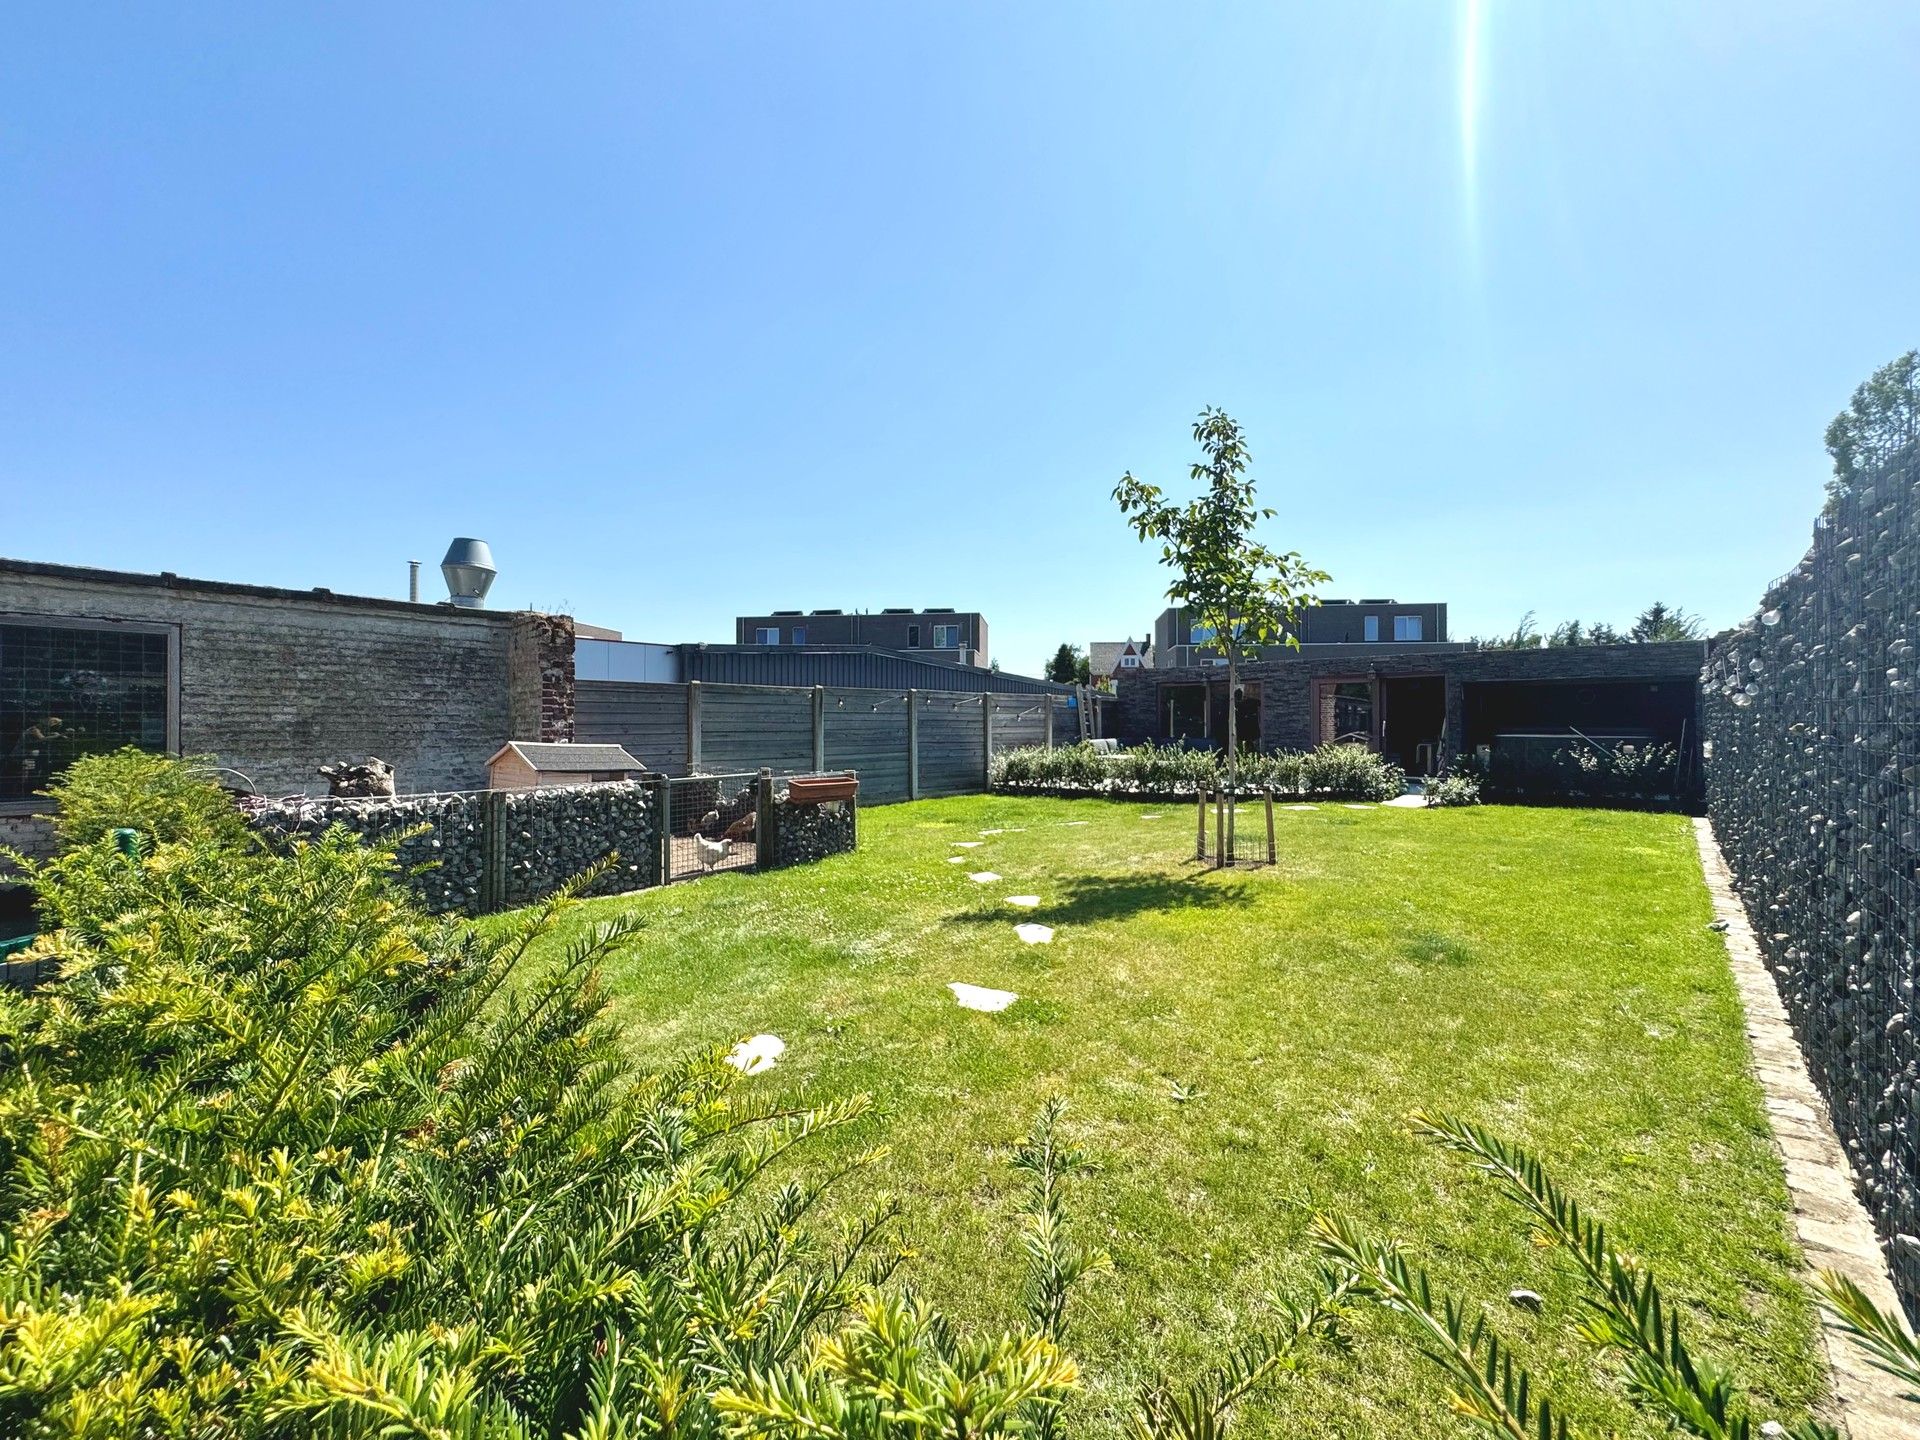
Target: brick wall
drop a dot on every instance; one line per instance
(276, 682)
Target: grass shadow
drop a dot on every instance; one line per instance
(1085, 899)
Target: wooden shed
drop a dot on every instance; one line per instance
(534, 764)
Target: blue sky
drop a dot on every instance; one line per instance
(694, 310)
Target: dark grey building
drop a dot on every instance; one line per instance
(953, 637)
(1422, 707)
(1390, 624)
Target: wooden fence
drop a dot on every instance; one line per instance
(904, 743)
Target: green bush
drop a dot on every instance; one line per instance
(164, 799)
(1332, 771)
(1456, 789)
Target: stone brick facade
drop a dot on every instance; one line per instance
(540, 676)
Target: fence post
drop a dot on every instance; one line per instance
(493, 849)
(662, 830)
(1200, 823)
(913, 744)
(819, 728)
(1047, 709)
(1273, 857)
(1219, 829)
(986, 739)
(766, 837)
(693, 727)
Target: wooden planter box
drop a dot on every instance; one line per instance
(818, 789)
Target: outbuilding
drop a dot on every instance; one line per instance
(537, 764)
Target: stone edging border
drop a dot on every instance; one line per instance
(1832, 1228)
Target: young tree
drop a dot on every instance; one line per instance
(1083, 670)
(1064, 666)
(1227, 580)
(1657, 622)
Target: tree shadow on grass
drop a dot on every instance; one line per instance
(1086, 899)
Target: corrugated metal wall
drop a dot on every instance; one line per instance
(863, 668)
(745, 727)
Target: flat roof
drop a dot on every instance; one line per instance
(167, 580)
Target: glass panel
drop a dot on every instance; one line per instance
(1373, 627)
(65, 693)
(1406, 627)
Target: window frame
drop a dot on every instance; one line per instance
(110, 624)
(797, 635)
(1416, 623)
(761, 632)
(1370, 630)
(953, 631)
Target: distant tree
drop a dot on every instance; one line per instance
(1882, 420)
(1083, 670)
(1525, 636)
(1601, 633)
(1247, 594)
(1567, 632)
(1065, 664)
(1657, 622)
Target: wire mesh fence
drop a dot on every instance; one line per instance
(1235, 830)
(1812, 778)
(712, 824)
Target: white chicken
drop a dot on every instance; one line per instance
(712, 852)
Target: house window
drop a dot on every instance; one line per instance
(73, 690)
(1184, 708)
(946, 637)
(1200, 635)
(913, 637)
(1406, 627)
(799, 635)
(1129, 662)
(767, 635)
(1373, 627)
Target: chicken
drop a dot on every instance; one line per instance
(742, 829)
(712, 852)
(709, 822)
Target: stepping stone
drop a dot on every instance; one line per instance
(983, 877)
(993, 832)
(1149, 817)
(760, 1052)
(1025, 902)
(1299, 807)
(956, 859)
(968, 844)
(980, 997)
(1357, 807)
(1034, 934)
(1071, 823)
(1408, 802)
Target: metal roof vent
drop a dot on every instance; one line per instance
(469, 572)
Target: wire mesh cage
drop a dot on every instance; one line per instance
(712, 824)
(1234, 829)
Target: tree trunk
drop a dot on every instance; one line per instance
(1233, 743)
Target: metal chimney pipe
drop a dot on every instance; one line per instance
(413, 581)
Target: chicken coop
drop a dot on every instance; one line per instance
(537, 765)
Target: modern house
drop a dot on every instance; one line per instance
(1109, 661)
(1389, 624)
(1420, 707)
(954, 637)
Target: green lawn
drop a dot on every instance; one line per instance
(1547, 972)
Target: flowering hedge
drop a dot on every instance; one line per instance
(1337, 771)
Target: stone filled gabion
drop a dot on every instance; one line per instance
(1813, 785)
(811, 832)
(551, 836)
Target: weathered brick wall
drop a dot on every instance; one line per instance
(275, 683)
(1813, 785)
(540, 676)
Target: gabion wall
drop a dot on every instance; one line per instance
(1811, 785)
(811, 832)
(551, 836)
